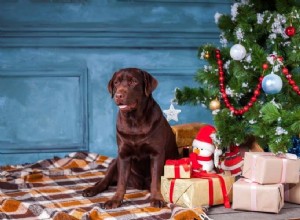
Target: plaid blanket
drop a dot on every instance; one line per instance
(51, 189)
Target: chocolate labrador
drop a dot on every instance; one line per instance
(144, 137)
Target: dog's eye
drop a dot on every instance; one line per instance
(116, 82)
(132, 82)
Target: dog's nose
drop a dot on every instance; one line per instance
(118, 96)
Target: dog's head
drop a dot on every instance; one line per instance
(130, 87)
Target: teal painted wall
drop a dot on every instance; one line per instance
(57, 56)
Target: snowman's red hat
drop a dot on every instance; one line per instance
(204, 139)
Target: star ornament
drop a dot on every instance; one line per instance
(172, 113)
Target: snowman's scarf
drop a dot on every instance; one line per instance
(194, 159)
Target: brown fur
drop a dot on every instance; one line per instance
(144, 137)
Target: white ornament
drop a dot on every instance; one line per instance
(272, 84)
(237, 52)
(172, 113)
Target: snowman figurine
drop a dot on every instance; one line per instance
(204, 152)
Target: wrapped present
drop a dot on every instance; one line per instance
(177, 168)
(252, 196)
(268, 168)
(292, 192)
(197, 192)
(185, 134)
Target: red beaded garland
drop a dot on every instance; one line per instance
(256, 92)
(253, 99)
(289, 78)
(285, 70)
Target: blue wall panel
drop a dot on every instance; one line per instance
(57, 56)
(43, 111)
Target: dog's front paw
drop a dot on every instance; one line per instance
(158, 203)
(91, 191)
(112, 204)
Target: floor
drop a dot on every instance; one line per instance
(288, 212)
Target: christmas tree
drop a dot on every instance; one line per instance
(251, 80)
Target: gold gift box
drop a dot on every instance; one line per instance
(194, 192)
(184, 170)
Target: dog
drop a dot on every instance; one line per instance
(144, 137)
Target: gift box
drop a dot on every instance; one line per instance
(252, 196)
(292, 192)
(185, 134)
(197, 192)
(177, 168)
(267, 168)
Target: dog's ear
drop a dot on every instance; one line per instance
(150, 83)
(110, 85)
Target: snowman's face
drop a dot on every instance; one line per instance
(202, 151)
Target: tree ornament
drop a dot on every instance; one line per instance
(272, 83)
(206, 55)
(214, 104)
(295, 149)
(290, 31)
(172, 113)
(237, 52)
(265, 66)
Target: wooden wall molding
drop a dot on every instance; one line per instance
(179, 71)
(179, 1)
(104, 36)
(6, 147)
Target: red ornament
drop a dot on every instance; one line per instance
(290, 31)
(265, 66)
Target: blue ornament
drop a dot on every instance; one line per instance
(295, 149)
(272, 84)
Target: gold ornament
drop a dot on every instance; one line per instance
(214, 104)
(206, 55)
